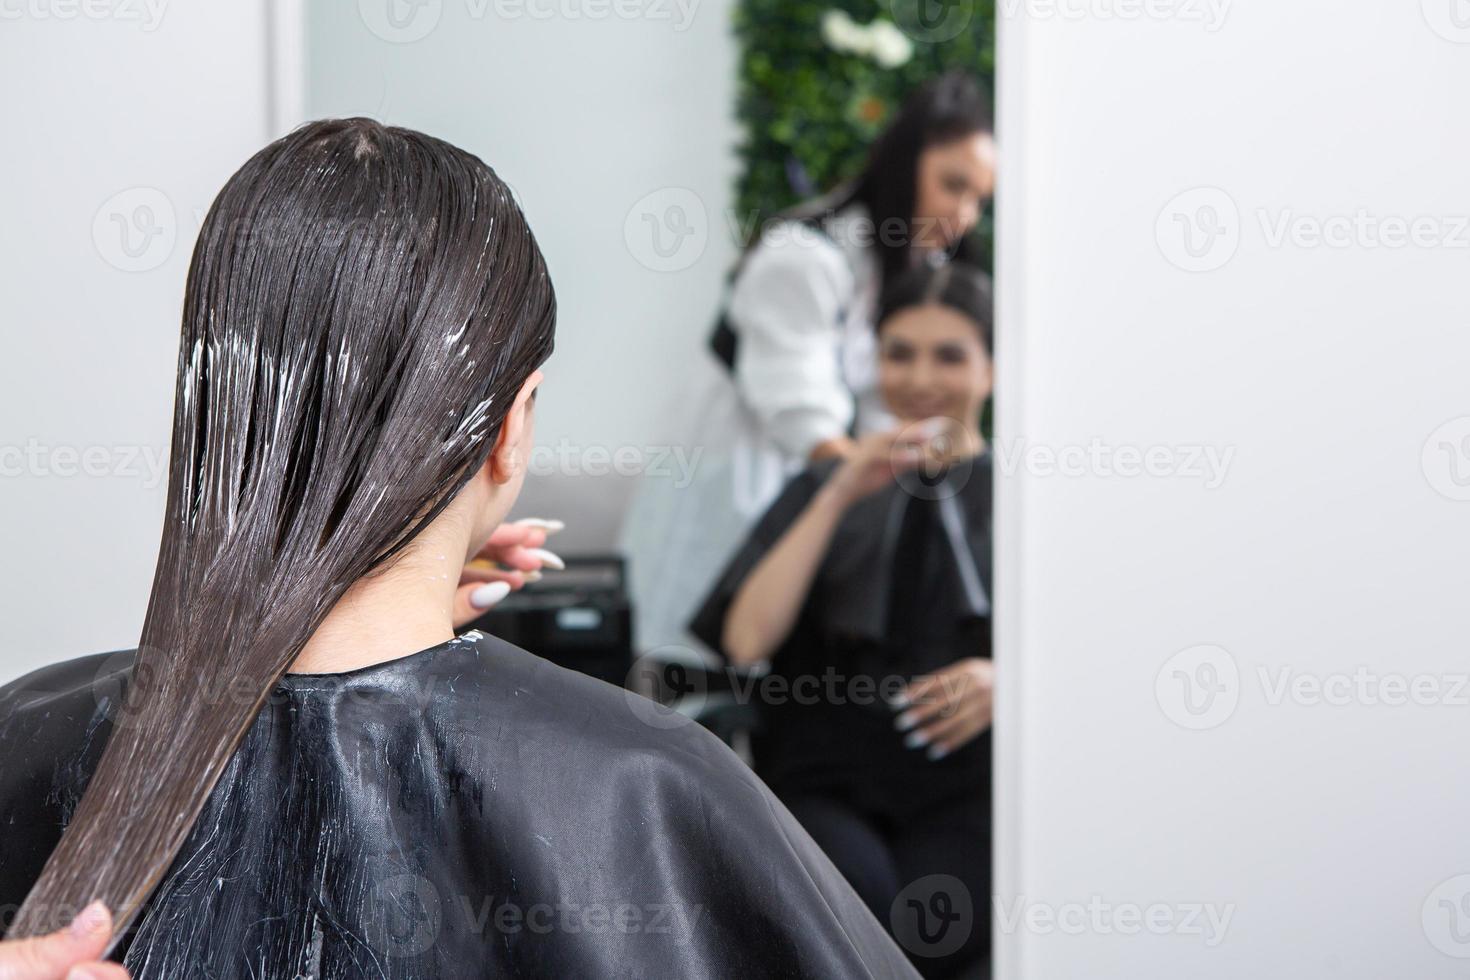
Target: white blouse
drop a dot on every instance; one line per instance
(802, 307)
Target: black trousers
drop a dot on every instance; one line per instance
(926, 878)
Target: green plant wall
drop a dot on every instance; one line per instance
(808, 110)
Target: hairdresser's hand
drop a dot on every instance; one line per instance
(840, 447)
(512, 557)
(70, 954)
(949, 707)
(878, 458)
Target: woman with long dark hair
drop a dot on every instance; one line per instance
(797, 381)
(866, 590)
(302, 771)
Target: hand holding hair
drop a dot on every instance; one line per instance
(879, 457)
(67, 954)
(842, 446)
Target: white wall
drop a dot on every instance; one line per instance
(595, 119)
(1336, 542)
(109, 108)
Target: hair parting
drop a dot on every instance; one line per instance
(956, 285)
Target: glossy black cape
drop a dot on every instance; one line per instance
(470, 810)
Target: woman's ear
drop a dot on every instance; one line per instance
(507, 458)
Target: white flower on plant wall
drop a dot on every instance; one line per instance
(891, 46)
(881, 40)
(843, 34)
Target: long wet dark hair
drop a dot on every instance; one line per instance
(363, 304)
(946, 108)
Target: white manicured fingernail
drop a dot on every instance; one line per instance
(937, 752)
(900, 701)
(548, 558)
(489, 594)
(905, 721)
(532, 576)
(548, 524)
(916, 740)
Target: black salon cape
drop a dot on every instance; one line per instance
(903, 590)
(470, 810)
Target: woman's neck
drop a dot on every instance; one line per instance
(407, 608)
